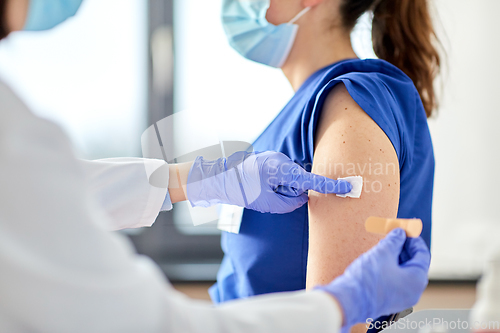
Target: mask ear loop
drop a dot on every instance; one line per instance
(299, 15)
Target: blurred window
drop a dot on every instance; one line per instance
(88, 74)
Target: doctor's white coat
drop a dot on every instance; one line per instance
(61, 270)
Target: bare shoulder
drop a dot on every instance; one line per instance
(346, 132)
(341, 112)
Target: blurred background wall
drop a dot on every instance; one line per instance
(466, 140)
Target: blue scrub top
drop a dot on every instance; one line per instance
(270, 252)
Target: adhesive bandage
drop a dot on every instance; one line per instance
(357, 187)
(379, 225)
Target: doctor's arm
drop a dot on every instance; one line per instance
(348, 136)
(132, 191)
(63, 272)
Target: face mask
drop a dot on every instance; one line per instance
(252, 36)
(46, 14)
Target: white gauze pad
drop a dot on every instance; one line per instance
(357, 187)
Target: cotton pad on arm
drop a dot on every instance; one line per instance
(357, 187)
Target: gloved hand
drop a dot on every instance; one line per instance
(267, 182)
(377, 283)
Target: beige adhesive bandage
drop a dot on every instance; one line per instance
(379, 225)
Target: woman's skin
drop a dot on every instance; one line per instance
(178, 175)
(348, 142)
(15, 14)
(318, 43)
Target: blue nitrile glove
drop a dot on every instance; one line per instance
(267, 182)
(377, 284)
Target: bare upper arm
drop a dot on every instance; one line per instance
(348, 142)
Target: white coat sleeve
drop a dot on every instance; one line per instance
(122, 188)
(61, 271)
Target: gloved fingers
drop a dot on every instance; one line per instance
(419, 254)
(279, 165)
(281, 171)
(405, 253)
(321, 184)
(291, 203)
(290, 179)
(415, 245)
(289, 191)
(393, 242)
(236, 159)
(418, 280)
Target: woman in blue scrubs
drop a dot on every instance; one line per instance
(369, 116)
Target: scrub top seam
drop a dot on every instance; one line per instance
(379, 122)
(327, 88)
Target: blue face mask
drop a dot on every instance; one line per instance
(46, 14)
(252, 36)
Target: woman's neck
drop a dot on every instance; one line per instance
(313, 51)
(15, 14)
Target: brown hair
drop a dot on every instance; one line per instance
(403, 34)
(3, 19)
